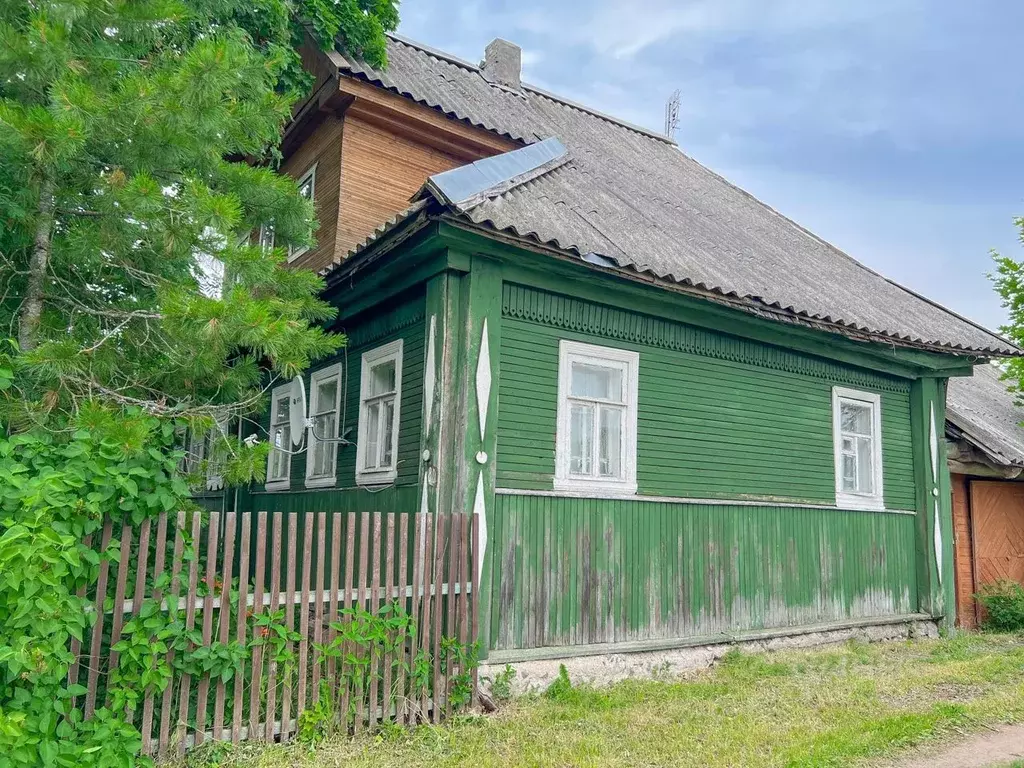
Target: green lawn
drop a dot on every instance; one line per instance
(840, 706)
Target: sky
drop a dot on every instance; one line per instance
(894, 129)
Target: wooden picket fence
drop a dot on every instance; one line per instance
(237, 578)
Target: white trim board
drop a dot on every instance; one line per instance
(684, 500)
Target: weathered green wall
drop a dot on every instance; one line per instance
(403, 319)
(571, 571)
(718, 416)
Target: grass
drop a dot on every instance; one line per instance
(843, 706)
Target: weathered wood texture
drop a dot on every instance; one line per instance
(569, 572)
(966, 608)
(323, 149)
(719, 416)
(380, 172)
(998, 511)
(384, 572)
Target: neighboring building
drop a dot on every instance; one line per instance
(678, 416)
(986, 462)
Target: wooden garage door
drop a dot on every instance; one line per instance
(998, 509)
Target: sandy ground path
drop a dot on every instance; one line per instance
(991, 748)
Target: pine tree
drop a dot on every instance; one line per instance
(137, 145)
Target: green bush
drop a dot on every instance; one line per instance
(1003, 602)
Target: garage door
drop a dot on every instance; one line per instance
(998, 510)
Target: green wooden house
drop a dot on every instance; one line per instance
(678, 416)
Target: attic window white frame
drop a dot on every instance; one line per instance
(315, 410)
(308, 176)
(847, 499)
(628, 364)
(380, 474)
(279, 483)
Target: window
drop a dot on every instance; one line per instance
(204, 454)
(307, 185)
(324, 405)
(596, 432)
(279, 462)
(857, 431)
(380, 396)
(267, 236)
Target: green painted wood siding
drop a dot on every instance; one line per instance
(719, 417)
(404, 320)
(571, 571)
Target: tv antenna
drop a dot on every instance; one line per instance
(672, 114)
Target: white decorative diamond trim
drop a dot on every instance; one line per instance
(938, 542)
(480, 510)
(483, 380)
(934, 445)
(429, 373)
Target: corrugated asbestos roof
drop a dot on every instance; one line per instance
(986, 412)
(631, 196)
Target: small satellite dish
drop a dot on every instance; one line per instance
(297, 410)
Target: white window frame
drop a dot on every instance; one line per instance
(570, 352)
(281, 484)
(330, 372)
(379, 475)
(310, 176)
(847, 499)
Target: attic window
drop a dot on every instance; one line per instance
(857, 435)
(597, 413)
(307, 189)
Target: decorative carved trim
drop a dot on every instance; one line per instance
(387, 323)
(483, 380)
(429, 371)
(480, 510)
(533, 305)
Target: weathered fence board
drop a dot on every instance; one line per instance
(234, 581)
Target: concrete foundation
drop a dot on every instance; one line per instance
(599, 669)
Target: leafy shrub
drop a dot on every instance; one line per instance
(1003, 602)
(501, 684)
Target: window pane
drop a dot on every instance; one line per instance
(267, 236)
(282, 438)
(610, 442)
(855, 418)
(323, 453)
(596, 381)
(326, 395)
(372, 447)
(382, 378)
(849, 468)
(581, 440)
(388, 429)
(306, 188)
(864, 465)
(282, 411)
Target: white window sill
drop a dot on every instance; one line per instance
(858, 502)
(376, 477)
(278, 485)
(588, 486)
(321, 482)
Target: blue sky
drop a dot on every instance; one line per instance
(893, 128)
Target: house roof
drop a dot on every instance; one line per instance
(985, 411)
(631, 198)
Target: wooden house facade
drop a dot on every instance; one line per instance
(677, 416)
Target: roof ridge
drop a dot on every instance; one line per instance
(456, 61)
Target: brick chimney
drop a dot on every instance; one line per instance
(503, 63)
